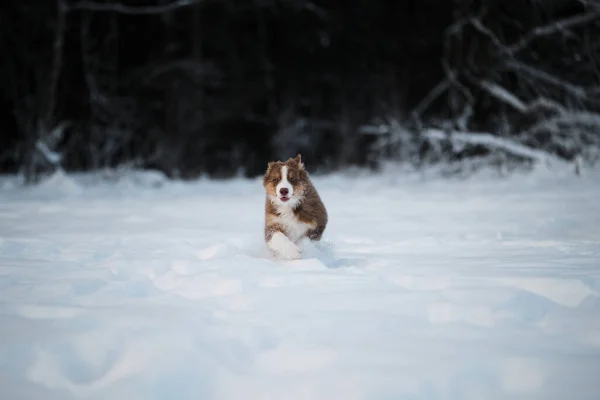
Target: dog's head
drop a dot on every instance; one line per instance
(285, 182)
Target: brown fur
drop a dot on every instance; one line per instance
(310, 210)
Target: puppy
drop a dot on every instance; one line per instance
(293, 210)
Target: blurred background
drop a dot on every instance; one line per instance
(220, 87)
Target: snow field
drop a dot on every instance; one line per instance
(143, 289)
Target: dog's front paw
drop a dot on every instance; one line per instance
(291, 253)
(284, 247)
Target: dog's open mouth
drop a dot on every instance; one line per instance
(284, 198)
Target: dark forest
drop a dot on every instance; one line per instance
(220, 87)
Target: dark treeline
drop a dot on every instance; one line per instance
(222, 86)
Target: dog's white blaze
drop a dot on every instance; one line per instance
(282, 245)
(284, 183)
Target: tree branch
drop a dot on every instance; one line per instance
(477, 24)
(503, 95)
(554, 27)
(134, 10)
(545, 30)
(515, 65)
(433, 94)
(568, 87)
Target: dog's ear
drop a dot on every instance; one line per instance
(269, 166)
(298, 159)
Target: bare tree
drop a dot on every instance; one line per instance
(540, 91)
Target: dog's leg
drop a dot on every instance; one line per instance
(283, 246)
(315, 234)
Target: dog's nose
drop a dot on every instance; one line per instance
(284, 191)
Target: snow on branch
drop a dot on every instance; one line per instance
(504, 95)
(45, 144)
(129, 9)
(51, 156)
(493, 142)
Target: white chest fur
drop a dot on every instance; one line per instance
(294, 228)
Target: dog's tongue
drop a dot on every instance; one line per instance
(285, 199)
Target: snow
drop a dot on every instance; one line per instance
(134, 287)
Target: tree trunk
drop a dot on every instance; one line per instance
(46, 118)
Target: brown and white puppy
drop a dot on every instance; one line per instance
(293, 209)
